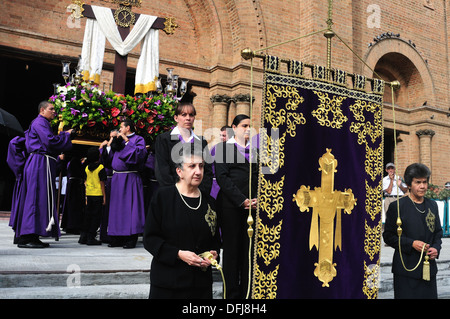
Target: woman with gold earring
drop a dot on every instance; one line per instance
(413, 229)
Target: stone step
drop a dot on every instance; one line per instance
(134, 284)
(49, 279)
(85, 285)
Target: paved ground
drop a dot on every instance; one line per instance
(68, 270)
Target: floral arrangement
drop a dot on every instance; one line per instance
(94, 113)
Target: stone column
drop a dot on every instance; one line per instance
(220, 114)
(425, 146)
(231, 112)
(242, 104)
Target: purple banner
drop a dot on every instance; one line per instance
(318, 225)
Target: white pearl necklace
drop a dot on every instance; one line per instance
(193, 208)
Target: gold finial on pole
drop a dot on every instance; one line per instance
(395, 85)
(247, 54)
(329, 34)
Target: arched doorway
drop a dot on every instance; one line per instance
(395, 66)
(396, 59)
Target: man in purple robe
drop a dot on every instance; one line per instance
(126, 156)
(16, 158)
(37, 216)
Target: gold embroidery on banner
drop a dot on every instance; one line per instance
(266, 287)
(371, 280)
(373, 163)
(327, 106)
(372, 241)
(211, 219)
(271, 198)
(268, 235)
(292, 124)
(293, 100)
(431, 220)
(374, 199)
(272, 151)
(365, 128)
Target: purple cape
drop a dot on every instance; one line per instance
(39, 189)
(126, 206)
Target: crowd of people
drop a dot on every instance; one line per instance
(186, 201)
(196, 206)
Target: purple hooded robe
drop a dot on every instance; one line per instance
(126, 206)
(16, 158)
(38, 214)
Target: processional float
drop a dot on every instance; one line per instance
(93, 111)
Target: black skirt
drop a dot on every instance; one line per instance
(413, 288)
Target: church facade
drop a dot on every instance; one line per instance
(407, 41)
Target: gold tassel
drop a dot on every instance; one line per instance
(426, 269)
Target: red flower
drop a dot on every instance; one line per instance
(129, 112)
(146, 110)
(150, 129)
(150, 119)
(115, 111)
(115, 122)
(140, 124)
(90, 123)
(105, 122)
(156, 128)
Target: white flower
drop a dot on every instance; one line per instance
(96, 90)
(62, 89)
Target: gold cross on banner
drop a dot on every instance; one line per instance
(327, 205)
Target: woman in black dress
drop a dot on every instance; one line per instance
(169, 143)
(181, 225)
(420, 237)
(233, 162)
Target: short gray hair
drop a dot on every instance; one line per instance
(187, 150)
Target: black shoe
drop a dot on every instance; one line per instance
(33, 244)
(130, 241)
(42, 243)
(115, 244)
(129, 244)
(93, 241)
(116, 241)
(83, 239)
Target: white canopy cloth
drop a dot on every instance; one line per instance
(92, 52)
(147, 70)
